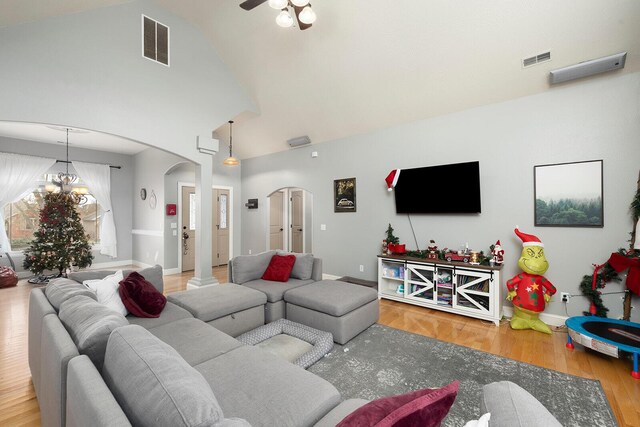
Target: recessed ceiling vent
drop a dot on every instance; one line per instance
(155, 41)
(537, 59)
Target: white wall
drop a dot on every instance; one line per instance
(86, 70)
(153, 240)
(121, 184)
(583, 120)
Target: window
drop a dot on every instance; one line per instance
(222, 213)
(22, 218)
(192, 211)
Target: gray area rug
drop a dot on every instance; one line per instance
(383, 361)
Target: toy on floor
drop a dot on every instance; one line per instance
(608, 336)
(530, 290)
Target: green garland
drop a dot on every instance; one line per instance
(607, 273)
(482, 258)
(635, 206)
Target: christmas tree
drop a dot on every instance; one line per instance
(60, 242)
(390, 237)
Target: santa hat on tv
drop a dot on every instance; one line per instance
(528, 239)
(392, 179)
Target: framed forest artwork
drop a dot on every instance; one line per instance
(569, 194)
(344, 195)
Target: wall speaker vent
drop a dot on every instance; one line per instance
(298, 142)
(588, 68)
(536, 59)
(155, 40)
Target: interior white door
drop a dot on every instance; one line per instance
(276, 221)
(297, 214)
(221, 230)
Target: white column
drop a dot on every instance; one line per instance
(204, 222)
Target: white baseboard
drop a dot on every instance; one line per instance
(549, 319)
(141, 264)
(169, 271)
(329, 277)
(110, 264)
(154, 233)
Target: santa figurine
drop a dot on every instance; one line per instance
(498, 254)
(432, 250)
(530, 290)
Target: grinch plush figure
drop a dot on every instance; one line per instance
(530, 290)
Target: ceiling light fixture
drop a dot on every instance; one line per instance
(231, 161)
(284, 19)
(278, 4)
(63, 183)
(301, 9)
(307, 15)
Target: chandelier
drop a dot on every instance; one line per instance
(301, 9)
(62, 185)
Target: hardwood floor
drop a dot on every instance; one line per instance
(19, 407)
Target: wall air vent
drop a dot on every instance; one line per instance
(537, 59)
(155, 41)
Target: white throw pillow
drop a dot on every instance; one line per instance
(482, 422)
(107, 291)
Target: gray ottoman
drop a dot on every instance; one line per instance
(233, 309)
(341, 308)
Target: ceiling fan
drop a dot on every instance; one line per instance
(302, 8)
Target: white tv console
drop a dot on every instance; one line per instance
(461, 288)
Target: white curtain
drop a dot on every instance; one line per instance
(18, 176)
(98, 179)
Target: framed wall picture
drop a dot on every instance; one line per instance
(569, 194)
(344, 195)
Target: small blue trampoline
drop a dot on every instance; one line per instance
(608, 336)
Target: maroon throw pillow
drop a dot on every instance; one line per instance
(140, 297)
(424, 408)
(279, 268)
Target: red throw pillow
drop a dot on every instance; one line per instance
(279, 268)
(424, 408)
(140, 297)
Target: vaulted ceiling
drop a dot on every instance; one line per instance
(371, 64)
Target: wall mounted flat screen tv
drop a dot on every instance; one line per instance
(443, 189)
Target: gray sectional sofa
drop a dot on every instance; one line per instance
(92, 366)
(247, 383)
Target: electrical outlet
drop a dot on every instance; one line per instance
(361, 268)
(565, 296)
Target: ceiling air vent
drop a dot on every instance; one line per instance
(155, 40)
(537, 59)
